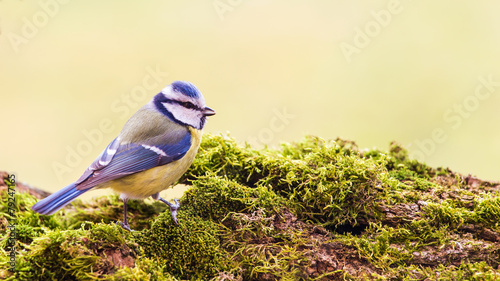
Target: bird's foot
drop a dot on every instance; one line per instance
(125, 226)
(173, 208)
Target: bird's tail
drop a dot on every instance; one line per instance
(56, 201)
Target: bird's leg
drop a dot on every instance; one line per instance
(124, 224)
(173, 208)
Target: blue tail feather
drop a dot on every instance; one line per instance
(57, 200)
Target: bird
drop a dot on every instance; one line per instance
(153, 150)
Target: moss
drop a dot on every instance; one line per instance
(261, 251)
(213, 197)
(59, 255)
(466, 271)
(446, 214)
(109, 209)
(323, 181)
(314, 209)
(145, 269)
(72, 254)
(400, 165)
(488, 211)
(189, 250)
(22, 214)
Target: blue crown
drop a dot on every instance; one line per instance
(186, 88)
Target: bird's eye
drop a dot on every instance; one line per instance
(188, 104)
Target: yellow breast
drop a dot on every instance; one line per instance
(144, 184)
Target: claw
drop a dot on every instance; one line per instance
(173, 208)
(125, 226)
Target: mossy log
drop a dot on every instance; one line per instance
(311, 210)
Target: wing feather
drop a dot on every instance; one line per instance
(127, 155)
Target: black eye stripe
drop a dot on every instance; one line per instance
(186, 104)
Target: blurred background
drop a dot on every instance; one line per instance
(423, 73)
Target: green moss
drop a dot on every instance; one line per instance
(189, 250)
(401, 166)
(71, 254)
(323, 181)
(145, 269)
(377, 248)
(22, 213)
(60, 255)
(109, 209)
(466, 271)
(213, 197)
(309, 210)
(488, 211)
(260, 251)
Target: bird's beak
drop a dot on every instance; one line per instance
(207, 111)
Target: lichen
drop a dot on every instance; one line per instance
(310, 210)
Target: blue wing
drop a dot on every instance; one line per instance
(130, 159)
(121, 159)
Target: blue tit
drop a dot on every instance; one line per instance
(154, 149)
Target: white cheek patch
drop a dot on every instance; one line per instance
(185, 115)
(169, 107)
(155, 149)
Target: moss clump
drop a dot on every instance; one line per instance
(29, 224)
(109, 209)
(145, 269)
(74, 254)
(60, 254)
(323, 181)
(487, 211)
(189, 250)
(263, 251)
(214, 197)
(310, 210)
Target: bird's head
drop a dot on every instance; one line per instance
(183, 103)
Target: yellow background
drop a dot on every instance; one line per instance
(66, 67)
